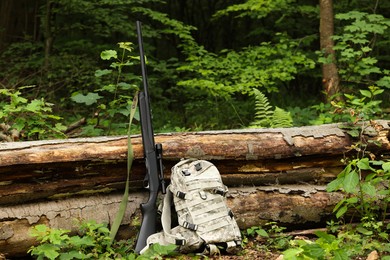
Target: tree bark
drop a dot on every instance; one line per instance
(273, 175)
(48, 33)
(59, 168)
(330, 77)
(245, 144)
(253, 206)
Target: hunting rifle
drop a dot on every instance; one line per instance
(154, 179)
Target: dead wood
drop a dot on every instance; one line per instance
(252, 206)
(50, 169)
(247, 144)
(273, 175)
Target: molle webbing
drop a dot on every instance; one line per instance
(205, 221)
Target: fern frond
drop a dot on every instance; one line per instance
(281, 118)
(265, 116)
(263, 110)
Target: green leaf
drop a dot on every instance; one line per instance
(19, 124)
(60, 127)
(164, 249)
(369, 189)
(370, 177)
(364, 164)
(386, 166)
(250, 231)
(351, 181)
(384, 82)
(366, 49)
(158, 250)
(314, 250)
(262, 232)
(41, 228)
(341, 211)
(99, 73)
(109, 88)
(292, 253)
(126, 46)
(49, 250)
(35, 105)
(88, 99)
(364, 231)
(352, 200)
(378, 92)
(72, 255)
(340, 254)
(334, 185)
(108, 54)
(385, 192)
(384, 235)
(339, 204)
(329, 238)
(81, 241)
(125, 86)
(354, 132)
(366, 93)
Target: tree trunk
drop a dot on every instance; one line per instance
(48, 33)
(17, 20)
(330, 77)
(5, 10)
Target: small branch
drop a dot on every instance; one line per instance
(305, 232)
(75, 125)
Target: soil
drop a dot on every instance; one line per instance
(251, 254)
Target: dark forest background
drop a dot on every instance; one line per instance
(70, 67)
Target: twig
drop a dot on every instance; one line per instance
(75, 125)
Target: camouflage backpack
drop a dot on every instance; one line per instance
(204, 220)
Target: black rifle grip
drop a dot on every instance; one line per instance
(148, 225)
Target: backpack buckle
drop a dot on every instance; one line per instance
(203, 195)
(181, 195)
(180, 242)
(220, 191)
(190, 226)
(186, 172)
(198, 166)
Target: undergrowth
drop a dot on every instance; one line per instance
(92, 241)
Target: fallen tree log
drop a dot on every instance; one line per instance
(252, 206)
(48, 169)
(281, 171)
(246, 144)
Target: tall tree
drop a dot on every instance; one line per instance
(330, 77)
(48, 32)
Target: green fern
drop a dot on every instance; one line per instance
(265, 116)
(281, 118)
(263, 110)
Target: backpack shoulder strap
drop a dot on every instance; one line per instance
(166, 220)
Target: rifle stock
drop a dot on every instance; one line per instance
(153, 157)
